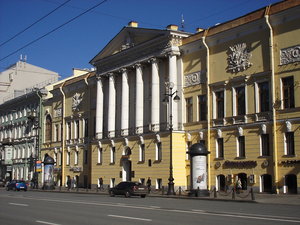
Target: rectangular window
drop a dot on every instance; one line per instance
(69, 131)
(289, 143)
(220, 104)
(241, 146)
(202, 105)
(77, 130)
(100, 156)
(158, 183)
(142, 153)
(264, 96)
(112, 155)
(265, 145)
(86, 128)
(158, 152)
(240, 101)
(288, 92)
(189, 109)
(76, 158)
(220, 148)
(68, 158)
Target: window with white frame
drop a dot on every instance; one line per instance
(158, 183)
(288, 92)
(68, 158)
(141, 152)
(100, 155)
(112, 155)
(263, 97)
(289, 142)
(220, 148)
(264, 145)
(57, 134)
(158, 151)
(219, 104)
(241, 147)
(76, 158)
(112, 182)
(239, 101)
(77, 130)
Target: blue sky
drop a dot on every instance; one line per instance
(75, 44)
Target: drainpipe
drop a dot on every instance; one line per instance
(63, 135)
(273, 100)
(208, 106)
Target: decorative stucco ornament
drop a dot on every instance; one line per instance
(238, 58)
(76, 100)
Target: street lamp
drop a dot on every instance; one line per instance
(34, 119)
(168, 100)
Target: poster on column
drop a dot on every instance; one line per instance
(199, 172)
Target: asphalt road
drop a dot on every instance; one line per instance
(33, 208)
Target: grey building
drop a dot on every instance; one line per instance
(19, 79)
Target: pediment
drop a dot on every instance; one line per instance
(127, 38)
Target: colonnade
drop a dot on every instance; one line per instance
(155, 86)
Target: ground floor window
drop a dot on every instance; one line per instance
(158, 183)
(266, 183)
(290, 184)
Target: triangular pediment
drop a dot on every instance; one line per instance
(127, 38)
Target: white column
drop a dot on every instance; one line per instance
(155, 103)
(173, 79)
(139, 106)
(125, 103)
(99, 108)
(111, 105)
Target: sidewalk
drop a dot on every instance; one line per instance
(284, 199)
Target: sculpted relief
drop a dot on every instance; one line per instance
(238, 58)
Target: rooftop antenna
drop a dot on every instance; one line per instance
(182, 23)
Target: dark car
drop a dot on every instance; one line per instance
(128, 189)
(16, 185)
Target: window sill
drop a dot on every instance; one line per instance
(240, 157)
(157, 161)
(99, 164)
(263, 156)
(140, 162)
(289, 156)
(112, 163)
(219, 158)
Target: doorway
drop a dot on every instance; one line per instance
(126, 170)
(221, 185)
(243, 177)
(266, 182)
(291, 183)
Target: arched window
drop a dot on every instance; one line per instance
(48, 133)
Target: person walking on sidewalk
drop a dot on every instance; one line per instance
(149, 184)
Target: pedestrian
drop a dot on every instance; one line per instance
(149, 184)
(101, 183)
(238, 185)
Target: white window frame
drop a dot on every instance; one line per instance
(100, 155)
(214, 103)
(68, 158)
(158, 152)
(76, 158)
(141, 153)
(112, 154)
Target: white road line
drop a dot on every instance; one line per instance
(221, 214)
(131, 218)
(44, 222)
(18, 204)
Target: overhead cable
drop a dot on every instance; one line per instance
(39, 20)
(55, 29)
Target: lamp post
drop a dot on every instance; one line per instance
(33, 117)
(168, 100)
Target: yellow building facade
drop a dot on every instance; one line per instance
(245, 72)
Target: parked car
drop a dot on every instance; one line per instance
(128, 189)
(16, 185)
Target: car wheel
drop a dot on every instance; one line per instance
(127, 194)
(143, 196)
(111, 194)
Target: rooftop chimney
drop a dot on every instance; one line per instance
(172, 27)
(199, 29)
(133, 24)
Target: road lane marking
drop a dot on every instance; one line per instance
(130, 218)
(18, 204)
(44, 222)
(222, 214)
